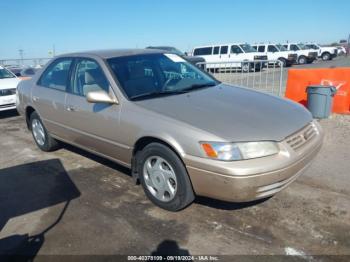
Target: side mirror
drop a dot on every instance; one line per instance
(100, 97)
(18, 74)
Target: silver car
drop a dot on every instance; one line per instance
(181, 132)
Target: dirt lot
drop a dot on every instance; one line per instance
(71, 202)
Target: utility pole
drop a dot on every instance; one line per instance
(21, 52)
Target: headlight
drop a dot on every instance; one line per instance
(239, 151)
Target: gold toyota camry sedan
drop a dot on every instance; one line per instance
(182, 132)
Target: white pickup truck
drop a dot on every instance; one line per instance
(305, 54)
(235, 55)
(277, 52)
(324, 52)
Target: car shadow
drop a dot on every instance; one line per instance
(169, 248)
(96, 158)
(224, 205)
(31, 187)
(8, 114)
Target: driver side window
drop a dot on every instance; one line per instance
(236, 49)
(88, 77)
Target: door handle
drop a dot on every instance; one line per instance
(35, 98)
(71, 108)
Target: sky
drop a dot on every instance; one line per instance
(36, 26)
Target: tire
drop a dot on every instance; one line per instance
(245, 67)
(153, 179)
(326, 56)
(46, 143)
(302, 60)
(284, 61)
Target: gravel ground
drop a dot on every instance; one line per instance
(71, 202)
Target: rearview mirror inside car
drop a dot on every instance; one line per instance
(100, 97)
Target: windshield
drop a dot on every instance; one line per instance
(168, 48)
(247, 48)
(281, 48)
(4, 73)
(150, 75)
(311, 46)
(303, 47)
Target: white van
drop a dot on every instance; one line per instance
(277, 52)
(237, 55)
(305, 54)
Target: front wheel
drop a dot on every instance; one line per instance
(283, 62)
(302, 60)
(326, 56)
(164, 177)
(41, 137)
(245, 67)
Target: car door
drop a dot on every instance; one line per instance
(49, 96)
(224, 54)
(237, 55)
(93, 126)
(272, 52)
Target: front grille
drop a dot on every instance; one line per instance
(302, 137)
(260, 57)
(7, 105)
(7, 92)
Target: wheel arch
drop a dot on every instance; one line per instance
(143, 141)
(28, 112)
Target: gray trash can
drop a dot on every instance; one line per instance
(320, 100)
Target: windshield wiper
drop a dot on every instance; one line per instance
(171, 92)
(197, 86)
(156, 94)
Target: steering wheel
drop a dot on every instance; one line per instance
(168, 81)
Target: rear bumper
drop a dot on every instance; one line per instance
(226, 185)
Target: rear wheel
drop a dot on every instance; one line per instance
(164, 177)
(41, 137)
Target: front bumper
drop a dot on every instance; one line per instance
(7, 102)
(240, 181)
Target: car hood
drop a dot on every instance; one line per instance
(8, 83)
(233, 113)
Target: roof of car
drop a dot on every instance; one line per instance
(110, 53)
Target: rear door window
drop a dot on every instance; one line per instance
(216, 50)
(224, 50)
(261, 49)
(203, 51)
(56, 75)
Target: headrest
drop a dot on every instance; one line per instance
(92, 76)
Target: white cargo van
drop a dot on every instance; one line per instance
(236, 55)
(305, 54)
(277, 52)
